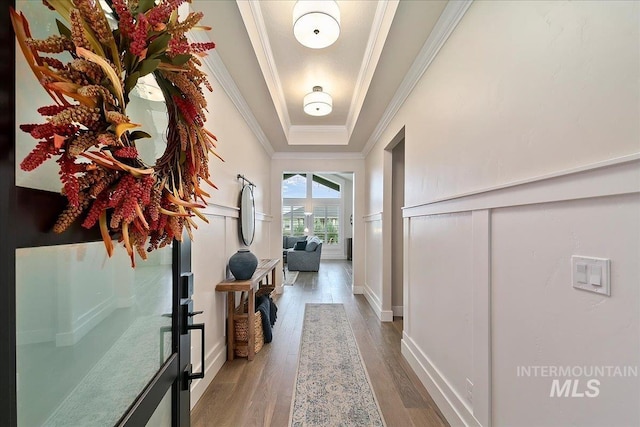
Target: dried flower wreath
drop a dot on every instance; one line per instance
(103, 177)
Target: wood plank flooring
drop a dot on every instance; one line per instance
(258, 393)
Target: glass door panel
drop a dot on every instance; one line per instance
(91, 332)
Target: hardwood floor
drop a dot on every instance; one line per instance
(259, 393)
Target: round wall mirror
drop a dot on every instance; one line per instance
(247, 215)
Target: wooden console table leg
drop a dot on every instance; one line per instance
(251, 323)
(231, 307)
(273, 275)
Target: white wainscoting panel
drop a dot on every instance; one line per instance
(488, 289)
(212, 246)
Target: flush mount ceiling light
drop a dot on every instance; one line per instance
(317, 103)
(316, 24)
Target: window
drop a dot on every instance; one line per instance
(326, 223)
(293, 220)
(313, 202)
(322, 188)
(294, 186)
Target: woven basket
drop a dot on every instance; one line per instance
(241, 330)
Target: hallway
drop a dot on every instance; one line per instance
(258, 393)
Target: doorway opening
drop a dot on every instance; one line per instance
(321, 205)
(393, 229)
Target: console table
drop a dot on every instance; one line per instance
(231, 286)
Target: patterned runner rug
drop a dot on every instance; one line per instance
(332, 387)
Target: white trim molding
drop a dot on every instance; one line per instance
(376, 305)
(261, 216)
(376, 216)
(382, 21)
(448, 21)
(253, 19)
(215, 358)
(620, 175)
(221, 210)
(219, 71)
(443, 394)
(254, 23)
(315, 155)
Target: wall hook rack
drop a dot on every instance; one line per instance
(245, 180)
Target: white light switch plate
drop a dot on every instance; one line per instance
(597, 271)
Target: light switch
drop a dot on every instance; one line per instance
(581, 272)
(595, 276)
(591, 274)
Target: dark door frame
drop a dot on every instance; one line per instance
(8, 409)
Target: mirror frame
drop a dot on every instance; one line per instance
(247, 215)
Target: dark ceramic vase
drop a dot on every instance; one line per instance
(243, 264)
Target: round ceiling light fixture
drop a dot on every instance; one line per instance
(316, 24)
(317, 103)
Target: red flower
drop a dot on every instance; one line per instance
(42, 151)
(202, 47)
(125, 21)
(139, 36)
(126, 153)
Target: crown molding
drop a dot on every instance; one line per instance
(297, 155)
(216, 67)
(254, 22)
(253, 19)
(385, 11)
(448, 21)
(318, 135)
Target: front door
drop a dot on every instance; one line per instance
(86, 339)
(95, 342)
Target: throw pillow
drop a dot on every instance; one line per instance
(300, 245)
(312, 244)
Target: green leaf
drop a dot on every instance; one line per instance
(63, 30)
(129, 60)
(181, 59)
(138, 134)
(148, 66)
(144, 5)
(159, 45)
(131, 81)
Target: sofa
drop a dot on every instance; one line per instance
(289, 242)
(303, 254)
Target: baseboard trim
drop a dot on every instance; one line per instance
(453, 408)
(35, 336)
(386, 315)
(374, 302)
(124, 302)
(358, 290)
(215, 358)
(398, 310)
(86, 322)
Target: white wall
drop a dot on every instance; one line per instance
(522, 145)
(215, 242)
